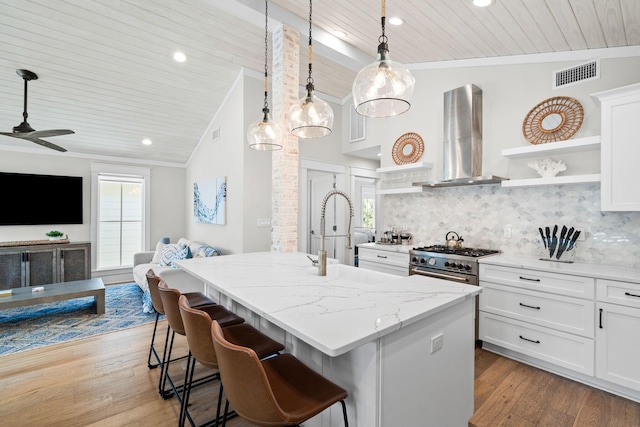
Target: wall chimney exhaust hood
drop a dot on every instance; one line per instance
(462, 148)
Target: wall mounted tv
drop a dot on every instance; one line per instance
(40, 199)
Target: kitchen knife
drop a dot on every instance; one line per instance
(554, 241)
(562, 245)
(548, 234)
(544, 241)
(572, 244)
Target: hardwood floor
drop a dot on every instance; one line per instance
(104, 381)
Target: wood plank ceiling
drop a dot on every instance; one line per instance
(106, 70)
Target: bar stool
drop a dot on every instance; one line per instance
(197, 325)
(196, 299)
(170, 299)
(277, 391)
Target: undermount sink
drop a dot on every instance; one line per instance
(355, 274)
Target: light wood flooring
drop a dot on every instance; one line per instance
(104, 381)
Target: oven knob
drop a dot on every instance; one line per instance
(460, 266)
(431, 261)
(447, 264)
(467, 267)
(414, 259)
(422, 261)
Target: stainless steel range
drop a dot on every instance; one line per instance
(444, 262)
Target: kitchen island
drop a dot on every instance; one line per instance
(403, 347)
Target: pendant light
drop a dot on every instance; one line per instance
(383, 88)
(311, 117)
(265, 135)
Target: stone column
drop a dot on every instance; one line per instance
(285, 162)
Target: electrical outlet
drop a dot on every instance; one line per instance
(506, 232)
(582, 235)
(437, 342)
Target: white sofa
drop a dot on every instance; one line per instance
(174, 277)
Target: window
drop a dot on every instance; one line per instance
(368, 200)
(119, 215)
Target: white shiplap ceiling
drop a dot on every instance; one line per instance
(105, 67)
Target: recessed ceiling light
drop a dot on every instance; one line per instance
(147, 141)
(482, 3)
(179, 57)
(394, 20)
(340, 34)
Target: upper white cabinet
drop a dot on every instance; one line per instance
(620, 148)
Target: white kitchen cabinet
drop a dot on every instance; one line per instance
(617, 338)
(393, 259)
(620, 150)
(544, 315)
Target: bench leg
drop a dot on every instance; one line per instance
(100, 299)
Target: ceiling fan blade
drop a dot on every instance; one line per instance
(45, 133)
(46, 144)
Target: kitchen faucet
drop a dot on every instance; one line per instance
(322, 255)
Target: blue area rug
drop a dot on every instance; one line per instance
(40, 325)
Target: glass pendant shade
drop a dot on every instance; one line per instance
(311, 117)
(383, 88)
(265, 135)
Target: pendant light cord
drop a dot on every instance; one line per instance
(310, 79)
(383, 39)
(266, 48)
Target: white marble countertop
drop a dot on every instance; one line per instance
(389, 248)
(597, 271)
(335, 313)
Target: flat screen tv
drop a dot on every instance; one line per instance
(40, 199)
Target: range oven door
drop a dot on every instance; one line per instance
(468, 279)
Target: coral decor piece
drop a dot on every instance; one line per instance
(547, 168)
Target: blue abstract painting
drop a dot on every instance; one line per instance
(209, 200)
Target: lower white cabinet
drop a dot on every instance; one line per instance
(618, 333)
(390, 261)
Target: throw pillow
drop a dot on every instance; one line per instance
(207, 251)
(173, 252)
(157, 256)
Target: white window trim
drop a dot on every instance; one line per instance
(98, 169)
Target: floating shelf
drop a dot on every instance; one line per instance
(554, 148)
(410, 166)
(400, 190)
(557, 180)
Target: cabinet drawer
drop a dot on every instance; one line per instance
(562, 349)
(573, 315)
(615, 292)
(384, 268)
(386, 257)
(561, 284)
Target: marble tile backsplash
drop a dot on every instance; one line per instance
(480, 213)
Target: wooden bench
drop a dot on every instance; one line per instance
(22, 297)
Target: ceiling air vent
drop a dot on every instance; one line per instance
(577, 74)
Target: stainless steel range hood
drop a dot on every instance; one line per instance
(462, 152)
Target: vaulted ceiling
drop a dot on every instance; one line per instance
(106, 70)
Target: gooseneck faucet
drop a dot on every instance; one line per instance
(322, 255)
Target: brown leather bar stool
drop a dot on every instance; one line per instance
(197, 325)
(170, 299)
(196, 299)
(277, 391)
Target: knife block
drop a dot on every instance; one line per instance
(566, 256)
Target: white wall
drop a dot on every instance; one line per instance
(248, 174)
(480, 213)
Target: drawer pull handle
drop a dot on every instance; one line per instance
(382, 256)
(631, 295)
(530, 306)
(527, 339)
(601, 327)
(531, 280)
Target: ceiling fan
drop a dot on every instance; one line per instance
(24, 129)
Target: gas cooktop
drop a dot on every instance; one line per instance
(470, 252)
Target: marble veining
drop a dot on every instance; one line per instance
(479, 214)
(334, 313)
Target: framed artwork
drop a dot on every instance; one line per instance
(209, 200)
